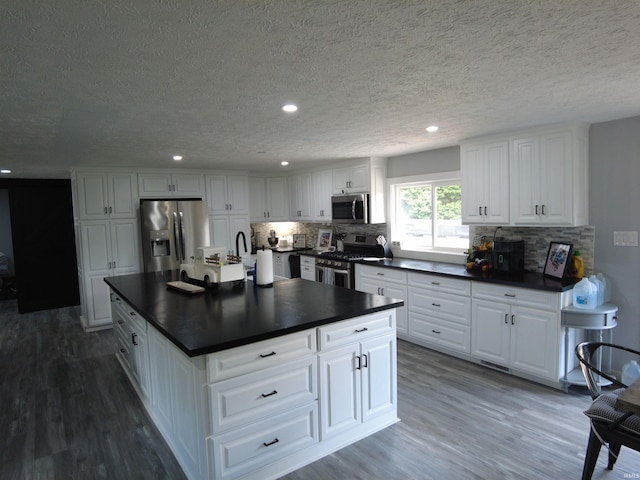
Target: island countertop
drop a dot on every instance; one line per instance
(229, 316)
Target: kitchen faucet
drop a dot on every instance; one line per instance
(244, 242)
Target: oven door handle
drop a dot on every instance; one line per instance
(335, 270)
(353, 209)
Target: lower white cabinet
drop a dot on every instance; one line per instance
(358, 381)
(388, 282)
(307, 268)
(517, 329)
(281, 267)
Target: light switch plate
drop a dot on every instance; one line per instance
(625, 239)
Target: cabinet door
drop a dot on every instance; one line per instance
(472, 182)
(397, 291)
(219, 226)
(123, 193)
(151, 184)
(277, 199)
(125, 248)
(379, 379)
(340, 391)
(341, 177)
(359, 181)
(98, 301)
(188, 184)
(496, 183)
(92, 196)
(257, 199)
(525, 180)
(238, 194)
(490, 331)
(217, 194)
(556, 191)
(159, 372)
(322, 191)
(535, 336)
(239, 223)
(96, 247)
(140, 364)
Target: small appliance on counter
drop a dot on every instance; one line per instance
(508, 256)
(272, 239)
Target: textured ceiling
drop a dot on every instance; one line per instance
(131, 82)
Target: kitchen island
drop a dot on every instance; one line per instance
(248, 382)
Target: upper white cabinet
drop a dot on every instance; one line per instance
(102, 196)
(484, 168)
(300, 197)
(365, 177)
(228, 194)
(532, 177)
(322, 181)
(549, 177)
(351, 179)
(171, 184)
(268, 199)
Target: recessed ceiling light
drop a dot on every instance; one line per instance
(177, 157)
(284, 164)
(432, 128)
(290, 108)
(5, 170)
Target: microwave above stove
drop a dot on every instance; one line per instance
(353, 208)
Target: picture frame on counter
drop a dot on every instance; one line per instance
(299, 240)
(557, 259)
(324, 239)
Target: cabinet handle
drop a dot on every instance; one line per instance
(536, 209)
(120, 322)
(361, 330)
(132, 313)
(479, 210)
(268, 214)
(122, 350)
(358, 363)
(382, 291)
(512, 295)
(365, 364)
(133, 338)
(267, 355)
(506, 319)
(271, 443)
(380, 273)
(110, 210)
(543, 210)
(265, 395)
(264, 214)
(435, 331)
(512, 319)
(485, 210)
(105, 210)
(435, 283)
(114, 264)
(435, 304)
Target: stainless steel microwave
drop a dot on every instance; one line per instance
(353, 208)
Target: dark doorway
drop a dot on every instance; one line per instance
(46, 272)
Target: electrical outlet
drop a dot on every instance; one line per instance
(395, 243)
(625, 239)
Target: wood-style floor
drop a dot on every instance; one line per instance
(68, 412)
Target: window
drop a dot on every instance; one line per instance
(426, 213)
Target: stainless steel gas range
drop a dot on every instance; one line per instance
(336, 268)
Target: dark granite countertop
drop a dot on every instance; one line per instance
(230, 316)
(525, 280)
(288, 249)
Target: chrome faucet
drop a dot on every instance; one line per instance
(244, 242)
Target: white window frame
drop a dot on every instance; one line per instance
(435, 253)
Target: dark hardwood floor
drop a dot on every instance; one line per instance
(68, 412)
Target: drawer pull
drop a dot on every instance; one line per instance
(133, 314)
(435, 304)
(133, 338)
(120, 322)
(267, 355)
(271, 443)
(435, 331)
(122, 350)
(512, 295)
(381, 274)
(361, 330)
(435, 283)
(265, 395)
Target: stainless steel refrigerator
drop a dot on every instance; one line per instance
(171, 231)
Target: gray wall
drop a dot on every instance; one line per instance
(431, 161)
(614, 203)
(6, 245)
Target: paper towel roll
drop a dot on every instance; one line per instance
(264, 277)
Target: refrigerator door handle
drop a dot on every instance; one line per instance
(176, 236)
(182, 237)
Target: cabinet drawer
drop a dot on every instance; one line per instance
(357, 329)
(451, 335)
(453, 308)
(387, 274)
(138, 322)
(307, 260)
(257, 395)
(517, 296)
(241, 451)
(440, 283)
(260, 355)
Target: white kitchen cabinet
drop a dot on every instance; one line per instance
(225, 228)
(439, 311)
(308, 268)
(384, 281)
(517, 329)
(322, 190)
(549, 179)
(109, 248)
(268, 199)
(228, 194)
(351, 179)
(171, 184)
(300, 197)
(101, 196)
(484, 168)
(365, 177)
(281, 267)
(357, 372)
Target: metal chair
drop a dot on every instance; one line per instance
(608, 426)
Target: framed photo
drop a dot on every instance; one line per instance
(299, 240)
(324, 239)
(557, 259)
